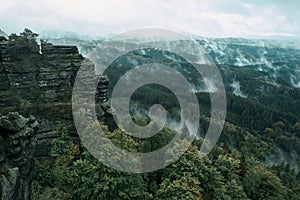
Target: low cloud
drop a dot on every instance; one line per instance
(220, 18)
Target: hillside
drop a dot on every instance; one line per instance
(256, 157)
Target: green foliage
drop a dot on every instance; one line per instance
(184, 188)
(289, 178)
(60, 145)
(29, 35)
(76, 172)
(254, 130)
(225, 174)
(49, 193)
(296, 129)
(24, 44)
(264, 184)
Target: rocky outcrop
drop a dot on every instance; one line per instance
(17, 145)
(40, 84)
(3, 36)
(36, 83)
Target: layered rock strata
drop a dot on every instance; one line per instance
(17, 146)
(41, 84)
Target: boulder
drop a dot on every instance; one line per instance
(17, 146)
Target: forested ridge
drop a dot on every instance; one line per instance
(256, 157)
(227, 173)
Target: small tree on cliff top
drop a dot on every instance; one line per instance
(24, 43)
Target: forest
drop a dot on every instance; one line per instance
(256, 157)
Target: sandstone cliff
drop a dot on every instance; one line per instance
(39, 83)
(17, 145)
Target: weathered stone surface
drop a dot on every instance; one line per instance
(41, 84)
(8, 183)
(17, 146)
(13, 122)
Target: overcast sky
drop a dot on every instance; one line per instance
(212, 18)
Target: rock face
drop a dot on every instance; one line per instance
(17, 145)
(39, 83)
(36, 81)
